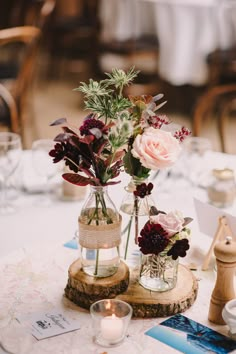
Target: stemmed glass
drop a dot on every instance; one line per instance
(44, 165)
(196, 168)
(10, 152)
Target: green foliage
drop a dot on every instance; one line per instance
(120, 132)
(134, 167)
(105, 98)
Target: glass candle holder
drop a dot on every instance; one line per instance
(110, 318)
(229, 316)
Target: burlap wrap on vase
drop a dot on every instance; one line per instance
(100, 236)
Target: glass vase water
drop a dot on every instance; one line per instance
(158, 272)
(135, 213)
(99, 234)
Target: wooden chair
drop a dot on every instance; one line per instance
(21, 44)
(73, 35)
(216, 100)
(8, 110)
(228, 106)
(221, 90)
(222, 66)
(38, 13)
(16, 13)
(221, 85)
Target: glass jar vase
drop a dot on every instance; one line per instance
(135, 212)
(99, 234)
(158, 272)
(222, 191)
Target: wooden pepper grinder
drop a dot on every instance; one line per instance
(225, 253)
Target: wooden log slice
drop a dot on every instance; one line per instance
(146, 303)
(84, 290)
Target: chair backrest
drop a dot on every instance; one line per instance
(28, 38)
(15, 13)
(38, 13)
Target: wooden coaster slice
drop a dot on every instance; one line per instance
(84, 290)
(146, 303)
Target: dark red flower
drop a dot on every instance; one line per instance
(93, 126)
(143, 189)
(59, 152)
(74, 156)
(179, 249)
(153, 239)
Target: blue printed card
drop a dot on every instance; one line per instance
(191, 337)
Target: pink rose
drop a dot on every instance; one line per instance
(171, 222)
(156, 148)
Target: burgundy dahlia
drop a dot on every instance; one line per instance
(59, 152)
(179, 249)
(153, 239)
(90, 124)
(69, 153)
(143, 189)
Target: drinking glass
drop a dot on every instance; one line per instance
(44, 166)
(10, 152)
(194, 162)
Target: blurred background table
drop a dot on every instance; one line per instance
(186, 30)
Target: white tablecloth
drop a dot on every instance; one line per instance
(34, 265)
(187, 30)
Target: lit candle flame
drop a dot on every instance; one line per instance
(108, 305)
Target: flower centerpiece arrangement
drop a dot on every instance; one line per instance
(94, 153)
(163, 239)
(118, 133)
(150, 147)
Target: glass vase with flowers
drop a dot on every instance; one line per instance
(163, 239)
(150, 147)
(94, 153)
(118, 132)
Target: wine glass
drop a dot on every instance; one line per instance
(10, 152)
(194, 158)
(44, 166)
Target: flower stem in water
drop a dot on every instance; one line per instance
(136, 218)
(128, 235)
(96, 264)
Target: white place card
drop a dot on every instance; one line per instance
(208, 218)
(48, 324)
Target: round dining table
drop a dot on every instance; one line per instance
(187, 31)
(36, 253)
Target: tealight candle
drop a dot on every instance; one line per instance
(110, 321)
(112, 328)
